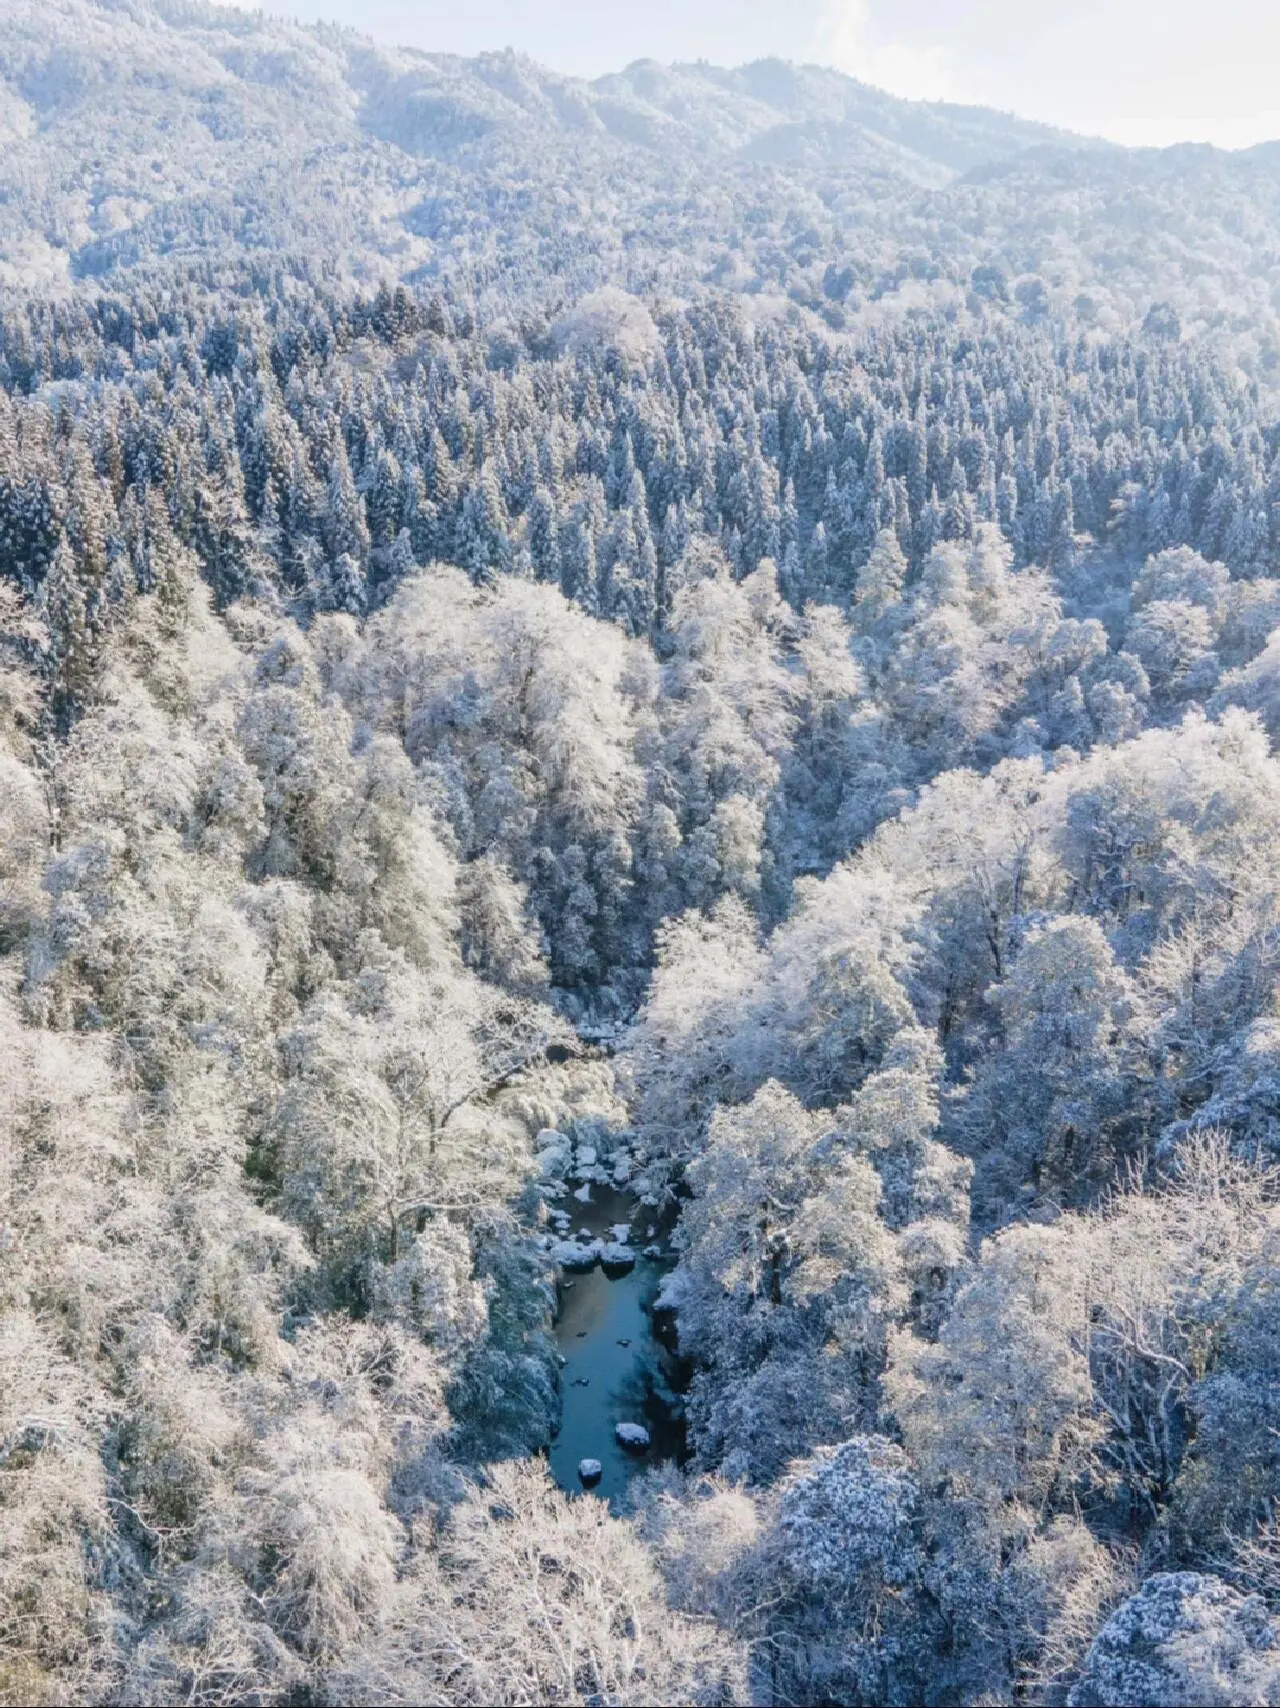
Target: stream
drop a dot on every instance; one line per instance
(617, 1365)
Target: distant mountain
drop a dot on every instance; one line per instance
(126, 123)
(142, 134)
(778, 112)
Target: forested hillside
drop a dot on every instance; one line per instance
(711, 637)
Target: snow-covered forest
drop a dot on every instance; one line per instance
(710, 636)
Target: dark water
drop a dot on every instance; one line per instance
(633, 1382)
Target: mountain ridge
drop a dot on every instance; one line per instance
(142, 137)
(206, 90)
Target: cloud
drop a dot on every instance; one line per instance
(848, 39)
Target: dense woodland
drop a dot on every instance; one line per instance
(844, 687)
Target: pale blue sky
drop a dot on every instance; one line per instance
(1138, 71)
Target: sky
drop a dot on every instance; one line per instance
(1145, 72)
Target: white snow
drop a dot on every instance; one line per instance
(571, 1254)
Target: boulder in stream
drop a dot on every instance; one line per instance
(590, 1472)
(633, 1436)
(672, 1293)
(572, 1255)
(551, 1153)
(617, 1258)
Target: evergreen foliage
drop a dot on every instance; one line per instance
(807, 616)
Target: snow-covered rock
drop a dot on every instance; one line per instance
(552, 1150)
(586, 1157)
(654, 1251)
(673, 1291)
(615, 1256)
(633, 1436)
(551, 1161)
(600, 1031)
(572, 1254)
(583, 1194)
(621, 1231)
(590, 1472)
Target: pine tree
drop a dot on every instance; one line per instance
(73, 651)
(345, 527)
